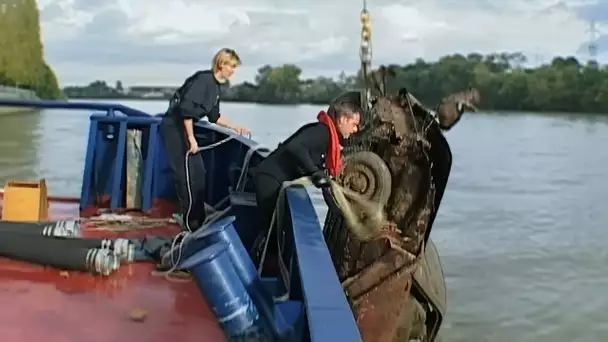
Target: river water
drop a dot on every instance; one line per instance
(522, 228)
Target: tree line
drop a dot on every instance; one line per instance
(563, 85)
(22, 63)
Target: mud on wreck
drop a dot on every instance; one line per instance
(394, 282)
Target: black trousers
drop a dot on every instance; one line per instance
(190, 185)
(267, 188)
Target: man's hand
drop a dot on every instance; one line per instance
(193, 145)
(320, 179)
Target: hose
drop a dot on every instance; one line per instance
(56, 253)
(124, 249)
(69, 228)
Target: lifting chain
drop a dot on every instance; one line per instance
(365, 54)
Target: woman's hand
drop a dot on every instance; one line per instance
(193, 145)
(242, 130)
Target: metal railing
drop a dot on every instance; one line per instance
(111, 109)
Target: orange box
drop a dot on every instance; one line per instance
(25, 201)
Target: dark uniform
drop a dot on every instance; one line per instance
(302, 154)
(197, 98)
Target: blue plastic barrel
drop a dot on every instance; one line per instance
(223, 289)
(224, 231)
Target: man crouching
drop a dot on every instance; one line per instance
(313, 150)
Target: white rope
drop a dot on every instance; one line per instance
(183, 237)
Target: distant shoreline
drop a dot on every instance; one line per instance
(14, 110)
(486, 111)
(168, 98)
(12, 93)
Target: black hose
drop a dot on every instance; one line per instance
(69, 228)
(122, 248)
(56, 253)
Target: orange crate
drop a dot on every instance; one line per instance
(25, 201)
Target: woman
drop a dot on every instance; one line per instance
(197, 98)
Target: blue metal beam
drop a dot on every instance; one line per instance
(42, 104)
(330, 317)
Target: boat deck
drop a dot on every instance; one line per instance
(44, 304)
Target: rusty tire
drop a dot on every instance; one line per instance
(366, 173)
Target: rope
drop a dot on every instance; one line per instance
(119, 223)
(362, 229)
(183, 237)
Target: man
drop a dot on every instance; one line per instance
(199, 97)
(311, 150)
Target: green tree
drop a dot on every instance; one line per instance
(21, 53)
(280, 84)
(564, 84)
(119, 87)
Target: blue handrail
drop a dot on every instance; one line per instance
(110, 108)
(329, 315)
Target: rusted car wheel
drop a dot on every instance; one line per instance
(366, 173)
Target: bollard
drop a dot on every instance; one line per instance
(221, 286)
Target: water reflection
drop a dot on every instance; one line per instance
(19, 137)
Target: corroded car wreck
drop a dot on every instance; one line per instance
(394, 282)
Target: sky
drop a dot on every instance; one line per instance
(160, 42)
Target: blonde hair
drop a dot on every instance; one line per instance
(223, 57)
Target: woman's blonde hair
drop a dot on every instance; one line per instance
(223, 57)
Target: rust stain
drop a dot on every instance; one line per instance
(377, 274)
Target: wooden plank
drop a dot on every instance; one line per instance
(134, 169)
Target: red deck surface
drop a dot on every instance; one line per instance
(43, 304)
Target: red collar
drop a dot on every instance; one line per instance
(333, 157)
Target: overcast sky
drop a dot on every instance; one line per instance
(150, 42)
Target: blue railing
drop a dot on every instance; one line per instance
(329, 315)
(106, 147)
(111, 109)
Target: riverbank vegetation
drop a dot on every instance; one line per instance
(22, 63)
(564, 85)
